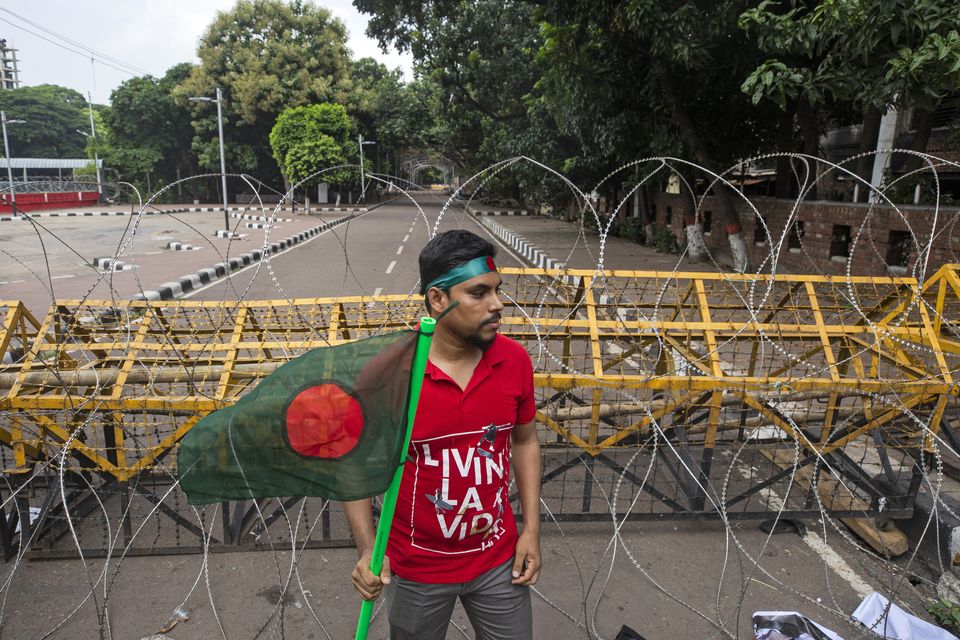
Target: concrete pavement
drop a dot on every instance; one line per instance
(78, 257)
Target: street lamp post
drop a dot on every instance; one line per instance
(96, 161)
(360, 143)
(6, 150)
(96, 156)
(223, 162)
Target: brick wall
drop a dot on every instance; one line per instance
(940, 145)
(869, 251)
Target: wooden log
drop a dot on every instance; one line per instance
(613, 409)
(883, 537)
(137, 375)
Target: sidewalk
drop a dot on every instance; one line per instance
(664, 579)
(566, 243)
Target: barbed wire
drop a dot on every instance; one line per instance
(286, 533)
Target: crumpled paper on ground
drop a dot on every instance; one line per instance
(788, 625)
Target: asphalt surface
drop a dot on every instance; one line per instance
(665, 579)
(372, 254)
(47, 258)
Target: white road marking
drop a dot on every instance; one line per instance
(400, 250)
(813, 540)
(62, 277)
(391, 266)
(151, 253)
(376, 292)
(838, 564)
(220, 281)
(406, 237)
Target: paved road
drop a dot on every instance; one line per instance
(586, 584)
(46, 257)
(372, 254)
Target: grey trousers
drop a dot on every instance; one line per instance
(497, 609)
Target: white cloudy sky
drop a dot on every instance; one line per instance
(152, 35)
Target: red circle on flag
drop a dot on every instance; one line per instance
(324, 421)
(490, 264)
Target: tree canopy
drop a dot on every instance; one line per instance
(310, 138)
(52, 115)
(582, 86)
(872, 53)
(266, 56)
(147, 131)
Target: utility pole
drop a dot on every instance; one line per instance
(360, 143)
(6, 150)
(96, 156)
(223, 162)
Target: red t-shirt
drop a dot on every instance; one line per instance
(453, 519)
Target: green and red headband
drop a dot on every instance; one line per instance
(462, 273)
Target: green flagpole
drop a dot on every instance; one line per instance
(390, 497)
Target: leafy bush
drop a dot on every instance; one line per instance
(632, 229)
(903, 190)
(946, 613)
(665, 242)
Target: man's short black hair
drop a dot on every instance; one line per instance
(450, 249)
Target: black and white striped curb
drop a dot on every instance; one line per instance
(96, 214)
(179, 246)
(260, 225)
(246, 216)
(90, 214)
(223, 233)
(537, 258)
(188, 283)
(533, 255)
(110, 264)
(483, 212)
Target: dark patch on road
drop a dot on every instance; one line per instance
(274, 593)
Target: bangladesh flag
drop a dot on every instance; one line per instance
(329, 423)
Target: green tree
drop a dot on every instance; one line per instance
(412, 117)
(871, 54)
(52, 114)
(586, 85)
(309, 138)
(681, 62)
(149, 132)
(266, 56)
(370, 82)
(476, 67)
(304, 160)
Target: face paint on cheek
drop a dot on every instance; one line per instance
(453, 305)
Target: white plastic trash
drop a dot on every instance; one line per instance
(789, 625)
(895, 623)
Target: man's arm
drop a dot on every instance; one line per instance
(360, 518)
(526, 469)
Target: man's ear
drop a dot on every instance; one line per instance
(437, 301)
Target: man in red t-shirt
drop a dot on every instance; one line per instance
(454, 533)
